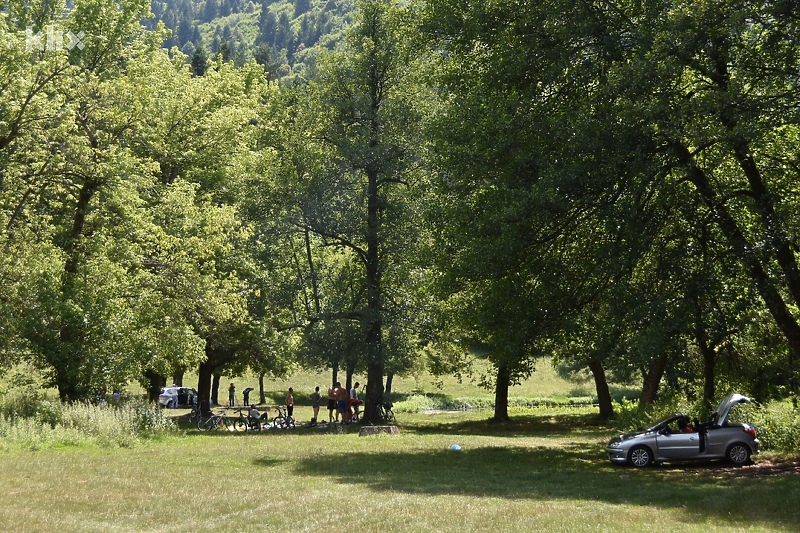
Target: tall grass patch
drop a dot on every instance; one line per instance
(30, 423)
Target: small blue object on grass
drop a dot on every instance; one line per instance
(455, 448)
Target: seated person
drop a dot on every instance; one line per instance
(255, 414)
(684, 426)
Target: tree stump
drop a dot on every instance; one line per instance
(375, 430)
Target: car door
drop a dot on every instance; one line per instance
(678, 445)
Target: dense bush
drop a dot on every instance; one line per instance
(777, 423)
(29, 422)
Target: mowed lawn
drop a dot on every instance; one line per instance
(545, 471)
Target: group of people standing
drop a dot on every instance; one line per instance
(232, 395)
(341, 402)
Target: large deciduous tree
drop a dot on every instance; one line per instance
(360, 121)
(617, 120)
(125, 257)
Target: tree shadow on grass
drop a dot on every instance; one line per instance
(548, 424)
(567, 471)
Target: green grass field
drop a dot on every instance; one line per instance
(544, 471)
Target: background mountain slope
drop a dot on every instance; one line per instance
(282, 35)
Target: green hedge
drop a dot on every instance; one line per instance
(422, 402)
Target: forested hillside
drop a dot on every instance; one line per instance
(283, 35)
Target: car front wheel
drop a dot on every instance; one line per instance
(738, 454)
(640, 456)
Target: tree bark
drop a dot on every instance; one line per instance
(652, 380)
(375, 363)
(501, 394)
(334, 373)
(261, 394)
(204, 374)
(67, 360)
(207, 378)
(215, 387)
(601, 386)
(155, 382)
(389, 380)
(709, 371)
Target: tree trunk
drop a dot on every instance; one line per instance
(177, 378)
(204, 374)
(652, 380)
(374, 317)
(215, 387)
(334, 373)
(261, 394)
(208, 378)
(389, 380)
(501, 394)
(67, 361)
(601, 386)
(709, 364)
(155, 383)
(349, 379)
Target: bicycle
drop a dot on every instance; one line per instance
(281, 420)
(209, 423)
(196, 414)
(385, 412)
(226, 421)
(248, 423)
(220, 420)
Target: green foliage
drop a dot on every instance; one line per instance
(612, 168)
(777, 423)
(417, 403)
(631, 414)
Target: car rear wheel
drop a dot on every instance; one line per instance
(738, 454)
(640, 456)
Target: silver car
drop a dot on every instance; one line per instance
(174, 397)
(675, 439)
